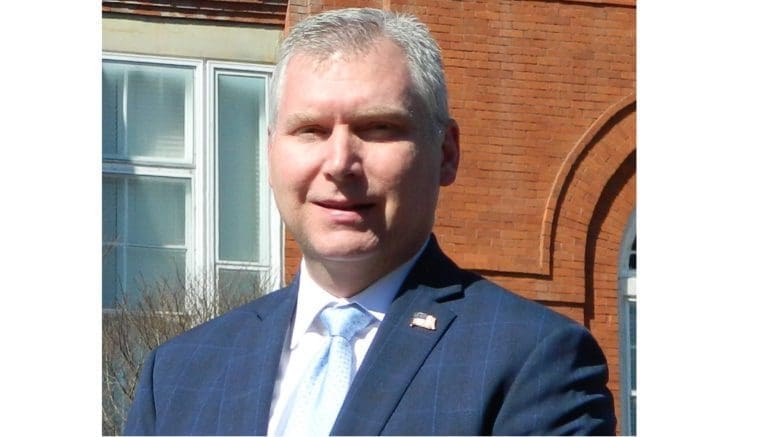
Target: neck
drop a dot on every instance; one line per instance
(348, 278)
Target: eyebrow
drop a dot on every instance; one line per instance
(300, 118)
(376, 112)
(383, 111)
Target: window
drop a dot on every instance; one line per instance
(627, 280)
(185, 191)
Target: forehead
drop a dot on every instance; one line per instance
(378, 72)
(378, 53)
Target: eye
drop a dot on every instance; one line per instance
(381, 131)
(311, 132)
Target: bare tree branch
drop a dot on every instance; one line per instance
(143, 320)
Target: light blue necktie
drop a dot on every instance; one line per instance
(323, 388)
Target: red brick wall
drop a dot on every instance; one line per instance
(544, 93)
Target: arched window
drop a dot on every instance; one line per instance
(627, 286)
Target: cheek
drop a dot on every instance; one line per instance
(389, 169)
(406, 179)
(290, 171)
(275, 164)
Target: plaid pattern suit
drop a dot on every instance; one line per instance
(494, 364)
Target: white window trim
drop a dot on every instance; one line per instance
(627, 292)
(200, 169)
(275, 234)
(197, 83)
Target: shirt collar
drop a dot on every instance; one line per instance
(376, 298)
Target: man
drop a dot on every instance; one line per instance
(360, 143)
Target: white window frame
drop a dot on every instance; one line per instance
(275, 233)
(190, 149)
(200, 169)
(627, 293)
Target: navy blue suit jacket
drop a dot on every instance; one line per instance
(495, 364)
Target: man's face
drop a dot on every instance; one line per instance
(354, 166)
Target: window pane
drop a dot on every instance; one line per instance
(239, 283)
(156, 111)
(142, 211)
(146, 110)
(240, 101)
(148, 268)
(156, 211)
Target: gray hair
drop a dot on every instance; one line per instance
(355, 30)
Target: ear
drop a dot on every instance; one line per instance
(450, 154)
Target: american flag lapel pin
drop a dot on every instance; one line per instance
(423, 320)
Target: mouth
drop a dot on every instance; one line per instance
(344, 205)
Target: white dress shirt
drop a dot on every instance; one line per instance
(307, 335)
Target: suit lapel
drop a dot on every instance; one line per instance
(250, 377)
(399, 350)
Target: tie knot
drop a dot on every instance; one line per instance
(345, 321)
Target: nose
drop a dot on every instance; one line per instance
(343, 160)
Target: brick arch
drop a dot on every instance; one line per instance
(597, 170)
(605, 237)
(595, 201)
(570, 169)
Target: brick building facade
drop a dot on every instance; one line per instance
(545, 95)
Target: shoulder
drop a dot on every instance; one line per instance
(479, 292)
(482, 302)
(524, 328)
(479, 302)
(224, 328)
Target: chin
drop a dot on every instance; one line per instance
(348, 253)
(351, 248)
